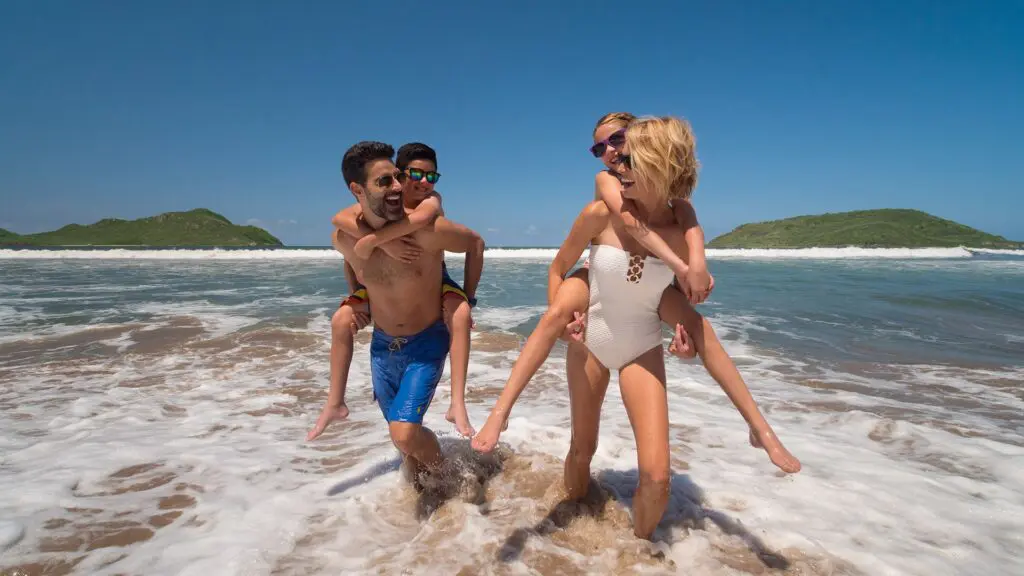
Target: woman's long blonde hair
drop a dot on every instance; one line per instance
(663, 151)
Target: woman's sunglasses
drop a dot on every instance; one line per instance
(615, 140)
(416, 175)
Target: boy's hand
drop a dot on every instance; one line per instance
(403, 249)
(698, 283)
(360, 320)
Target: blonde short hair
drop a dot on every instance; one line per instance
(663, 151)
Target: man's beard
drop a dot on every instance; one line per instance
(382, 209)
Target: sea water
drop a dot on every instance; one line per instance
(154, 407)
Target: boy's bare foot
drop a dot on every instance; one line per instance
(770, 443)
(460, 418)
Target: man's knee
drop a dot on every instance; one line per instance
(404, 435)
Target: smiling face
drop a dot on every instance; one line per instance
(623, 166)
(418, 176)
(381, 194)
(660, 157)
(608, 140)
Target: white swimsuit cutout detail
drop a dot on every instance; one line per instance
(625, 291)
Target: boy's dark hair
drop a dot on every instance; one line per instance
(414, 151)
(353, 163)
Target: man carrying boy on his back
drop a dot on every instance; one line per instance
(418, 165)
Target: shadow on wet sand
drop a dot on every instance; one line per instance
(685, 510)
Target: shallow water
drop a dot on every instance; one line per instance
(154, 413)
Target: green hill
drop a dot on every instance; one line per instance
(7, 236)
(887, 228)
(199, 227)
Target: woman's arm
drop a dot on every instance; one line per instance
(590, 222)
(609, 189)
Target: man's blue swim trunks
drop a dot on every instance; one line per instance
(406, 370)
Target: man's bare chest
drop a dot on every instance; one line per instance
(380, 269)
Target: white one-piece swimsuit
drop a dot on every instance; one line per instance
(625, 291)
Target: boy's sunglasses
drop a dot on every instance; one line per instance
(416, 174)
(616, 140)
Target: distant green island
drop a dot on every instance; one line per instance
(199, 227)
(886, 228)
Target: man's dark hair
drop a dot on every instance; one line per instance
(414, 151)
(353, 163)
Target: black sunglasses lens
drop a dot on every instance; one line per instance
(433, 177)
(598, 149)
(617, 139)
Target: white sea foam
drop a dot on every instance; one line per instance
(883, 493)
(839, 253)
(998, 252)
(518, 253)
(908, 469)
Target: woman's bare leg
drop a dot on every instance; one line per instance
(675, 309)
(588, 382)
(643, 392)
(573, 296)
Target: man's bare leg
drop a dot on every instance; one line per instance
(418, 445)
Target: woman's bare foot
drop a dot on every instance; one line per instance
(487, 438)
(460, 418)
(770, 443)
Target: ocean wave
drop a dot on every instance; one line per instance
(839, 253)
(509, 253)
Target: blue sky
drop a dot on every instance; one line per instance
(128, 109)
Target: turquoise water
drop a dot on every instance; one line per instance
(897, 381)
(956, 311)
